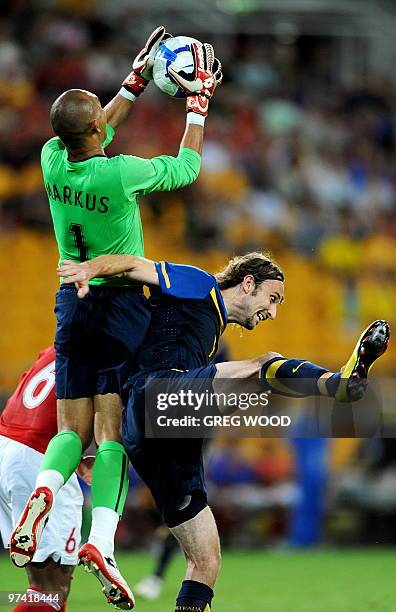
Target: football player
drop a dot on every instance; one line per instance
(93, 203)
(27, 425)
(190, 309)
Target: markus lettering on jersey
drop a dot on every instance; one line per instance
(73, 197)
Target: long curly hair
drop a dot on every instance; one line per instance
(260, 265)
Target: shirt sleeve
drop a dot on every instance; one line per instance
(164, 173)
(184, 281)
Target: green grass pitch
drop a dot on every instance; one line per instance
(260, 581)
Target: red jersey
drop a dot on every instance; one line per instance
(30, 414)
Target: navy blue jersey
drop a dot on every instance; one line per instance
(188, 316)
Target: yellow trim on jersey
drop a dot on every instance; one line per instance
(213, 295)
(270, 376)
(207, 608)
(165, 274)
(213, 348)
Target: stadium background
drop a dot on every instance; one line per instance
(299, 158)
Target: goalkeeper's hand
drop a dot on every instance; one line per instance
(136, 82)
(200, 85)
(205, 76)
(197, 106)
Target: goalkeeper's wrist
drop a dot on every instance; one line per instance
(195, 119)
(127, 94)
(133, 86)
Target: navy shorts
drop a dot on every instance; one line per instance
(97, 338)
(171, 468)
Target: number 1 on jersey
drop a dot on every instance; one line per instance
(77, 230)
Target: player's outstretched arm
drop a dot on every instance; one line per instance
(165, 172)
(135, 268)
(199, 88)
(193, 137)
(117, 110)
(136, 82)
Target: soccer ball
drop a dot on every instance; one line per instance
(177, 50)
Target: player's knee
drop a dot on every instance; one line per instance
(266, 357)
(255, 364)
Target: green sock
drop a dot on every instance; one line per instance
(63, 454)
(110, 477)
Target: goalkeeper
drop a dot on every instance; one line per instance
(93, 202)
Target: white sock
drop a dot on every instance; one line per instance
(51, 479)
(103, 529)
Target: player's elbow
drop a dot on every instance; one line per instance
(189, 167)
(191, 174)
(194, 173)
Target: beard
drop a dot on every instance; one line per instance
(249, 323)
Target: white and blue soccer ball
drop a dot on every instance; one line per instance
(175, 50)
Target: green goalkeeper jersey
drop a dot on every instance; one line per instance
(93, 202)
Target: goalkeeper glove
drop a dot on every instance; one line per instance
(197, 106)
(202, 81)
(137, 81)
(200, 85)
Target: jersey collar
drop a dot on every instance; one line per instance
(220, 306)
(78, 161)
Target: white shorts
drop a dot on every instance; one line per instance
(19, 466)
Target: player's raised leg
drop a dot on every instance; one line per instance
(301, 378)
(199, 540)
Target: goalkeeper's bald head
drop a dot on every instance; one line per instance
(76, 116)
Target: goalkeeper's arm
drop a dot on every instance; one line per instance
(192, 137)
(199, 88)
(136, 82)
(166, 173)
